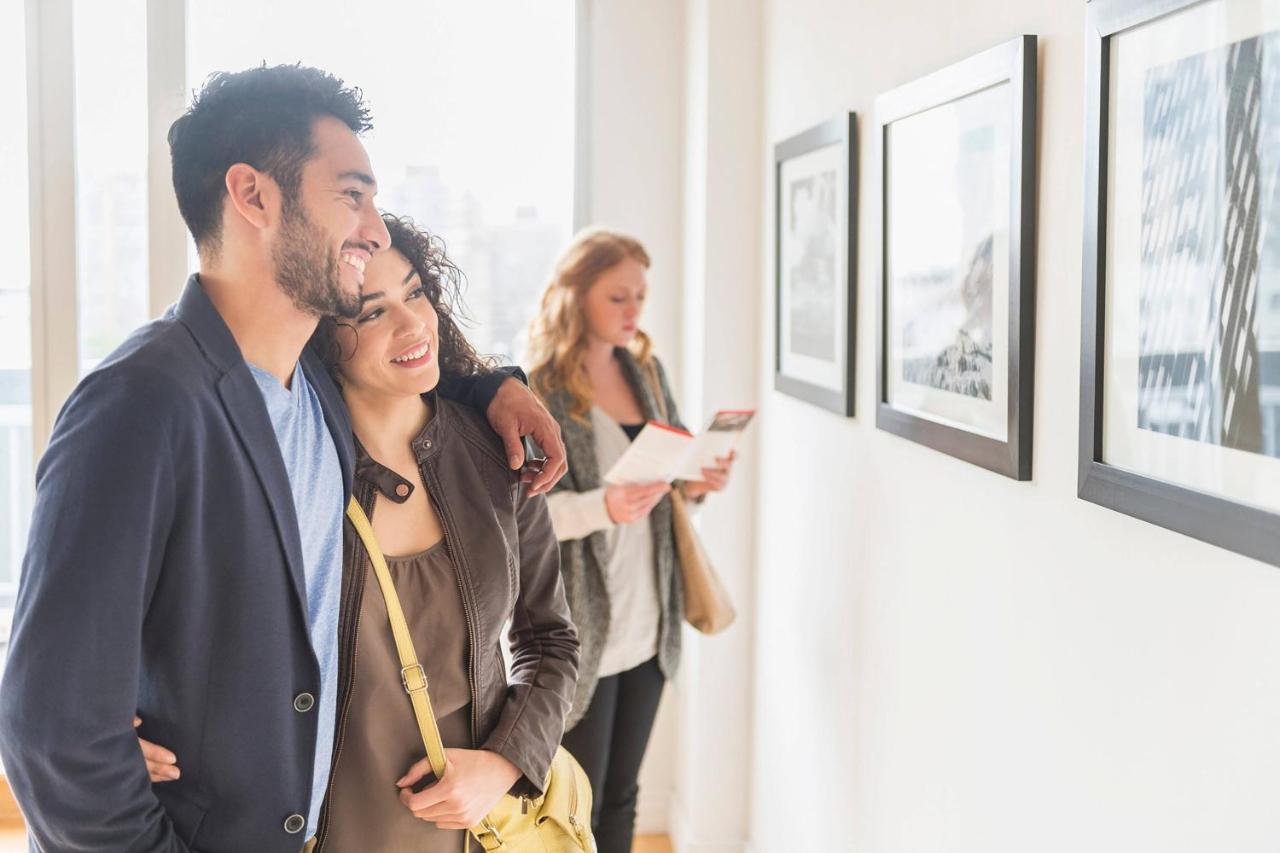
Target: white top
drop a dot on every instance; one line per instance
(630, 572)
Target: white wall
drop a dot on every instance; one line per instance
(948, 660)
(674, 140)
(942, 659)
(721, 319)
(635, 112)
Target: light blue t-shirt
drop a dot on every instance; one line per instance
(315, 477)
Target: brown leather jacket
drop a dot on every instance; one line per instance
(508, 562)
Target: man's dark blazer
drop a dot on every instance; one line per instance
(164, 574)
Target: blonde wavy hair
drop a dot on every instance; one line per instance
(558, 334)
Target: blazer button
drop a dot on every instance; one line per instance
(294, 823)
(303, 702)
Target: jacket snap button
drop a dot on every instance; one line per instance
(303, 702)
(402, 490)
(294, 823)
(427, 444)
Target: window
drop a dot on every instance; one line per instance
(475, 140)
(15, 314)
(111, 173)
(473, 123)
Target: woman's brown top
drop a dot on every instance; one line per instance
(382, 738)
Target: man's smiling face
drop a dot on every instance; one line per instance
(331, 230)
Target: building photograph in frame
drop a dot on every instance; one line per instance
(956, 322)
(1180, 402)
(814, 179)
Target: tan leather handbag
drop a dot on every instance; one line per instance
(707, 605)
(557, 822)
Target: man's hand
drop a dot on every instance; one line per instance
(514, 412)
(162, 765)
(474, 781)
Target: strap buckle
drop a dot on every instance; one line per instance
(415, 673)
(487, 828)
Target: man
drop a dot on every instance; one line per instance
(184, 556)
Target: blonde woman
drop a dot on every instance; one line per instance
(592, 365)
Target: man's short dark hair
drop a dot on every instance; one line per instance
(263, 117)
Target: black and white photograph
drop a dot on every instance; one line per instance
(1209, 301)
(957, 292)
(810, 228)
(814, 181)
(1183, 335)
(948, 214)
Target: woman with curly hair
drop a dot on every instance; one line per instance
(469, 553)
(596, 372)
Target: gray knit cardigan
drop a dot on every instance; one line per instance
(582, 561)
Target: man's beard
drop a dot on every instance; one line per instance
(305, 270)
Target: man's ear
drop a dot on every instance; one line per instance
(253, 195)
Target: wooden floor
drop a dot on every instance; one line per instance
(15, 841)
(645, 844)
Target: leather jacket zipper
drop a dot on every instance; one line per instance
(436, 495)
(437, 500)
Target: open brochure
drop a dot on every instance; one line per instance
(662, 452)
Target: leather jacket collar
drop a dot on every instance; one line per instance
(425, 444)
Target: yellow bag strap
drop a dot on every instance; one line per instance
(412, 675)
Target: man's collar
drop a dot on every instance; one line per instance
(197, 312)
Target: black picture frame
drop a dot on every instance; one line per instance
(842, 132)
(1014, 62)
(1217, 520)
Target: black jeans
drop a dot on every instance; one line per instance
(609, 742)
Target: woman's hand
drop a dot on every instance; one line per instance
(474, 781)
(713, 479)
(162, 765)
(633, 502)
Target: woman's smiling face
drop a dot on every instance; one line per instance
(391, 347)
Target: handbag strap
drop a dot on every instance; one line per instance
(412, 675)
(655, 385)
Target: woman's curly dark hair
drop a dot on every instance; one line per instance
(443, 283)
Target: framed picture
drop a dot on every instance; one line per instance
(955, 355)
(816, 185)
(1180, 367)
